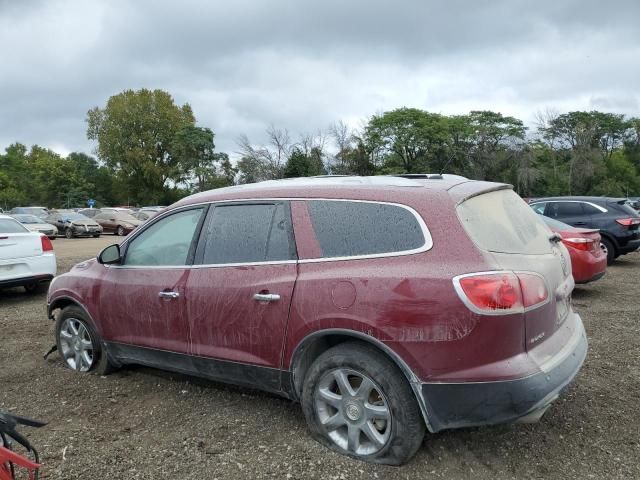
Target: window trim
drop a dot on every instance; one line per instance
(199, 252)
(598, 207)
(427, 245)
(428, 239)
(124, 246)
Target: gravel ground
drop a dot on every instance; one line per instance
(142, 423)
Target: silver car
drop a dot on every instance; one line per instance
(36, 224)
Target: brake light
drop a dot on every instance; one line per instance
(501, 292)
(579, 243)
(628, 222)
(47, 246)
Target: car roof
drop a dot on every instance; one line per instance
(333, 186)
(577, 199)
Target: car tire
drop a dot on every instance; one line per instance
(52, 238)
(609, 249)
(96, 236)
(68, 233)
(34, 288)
(120, 231)
(385, 418)
(77, 339)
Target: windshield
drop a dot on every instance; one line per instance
(74, 217)
(27, 219)
(9, 225)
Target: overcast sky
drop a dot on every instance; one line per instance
(302, 65)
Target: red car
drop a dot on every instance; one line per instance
(588, 260)
(386, 306)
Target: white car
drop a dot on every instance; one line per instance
(26, 258)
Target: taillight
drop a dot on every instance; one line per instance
(501, 292)
(47, 246)
(579, 243)
(628, 222)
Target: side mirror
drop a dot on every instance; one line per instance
(110, 255)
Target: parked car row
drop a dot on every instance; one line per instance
(83, 222)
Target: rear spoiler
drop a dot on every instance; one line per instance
(488, 187)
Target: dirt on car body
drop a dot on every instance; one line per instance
(142, 423)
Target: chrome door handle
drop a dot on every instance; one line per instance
(168, 294)
(266, 297)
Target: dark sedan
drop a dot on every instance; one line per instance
(73, 224)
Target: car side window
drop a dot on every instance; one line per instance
(569, 209)
(539, 207)
(347, 228)
(248, 233)
(165, 243)
(590, 209)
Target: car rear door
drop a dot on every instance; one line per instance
(239, 291)
(570, 212)
(142, 300)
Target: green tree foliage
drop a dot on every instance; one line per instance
(300, 164)
(408, 138)
(194, 151)
(135, 134)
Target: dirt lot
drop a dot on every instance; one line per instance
(141, 423)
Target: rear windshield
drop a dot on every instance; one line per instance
(8, 225)
(501, 221)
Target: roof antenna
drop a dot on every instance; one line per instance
(448, 162)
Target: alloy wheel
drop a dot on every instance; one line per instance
(354, 411)
(120, 231)
(604, 248)
(76, 345)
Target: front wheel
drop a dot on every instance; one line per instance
(96, 236)
(357, 402)
(68, 233)
(79, 344)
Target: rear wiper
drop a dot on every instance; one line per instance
(555, 238)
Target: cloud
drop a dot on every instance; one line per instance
(243, 65)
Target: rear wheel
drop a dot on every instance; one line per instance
(96, 236)
(120, 230)
(359, 403)
(79, 344)
(35, 287)
(608, 249)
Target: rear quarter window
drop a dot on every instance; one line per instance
(349, 228)
(502, 222)
(8, 225)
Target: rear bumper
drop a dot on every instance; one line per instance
(455, 405)
(20, 282)
(630, 246)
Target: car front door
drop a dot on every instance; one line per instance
(239, 292)
(142, 299)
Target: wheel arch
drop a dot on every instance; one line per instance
(314, 344)
(611, 238)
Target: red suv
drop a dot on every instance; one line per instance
(385, 305)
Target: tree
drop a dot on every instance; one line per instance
(414, 136)
(193, 149)
(135, 132)
(304, 165)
